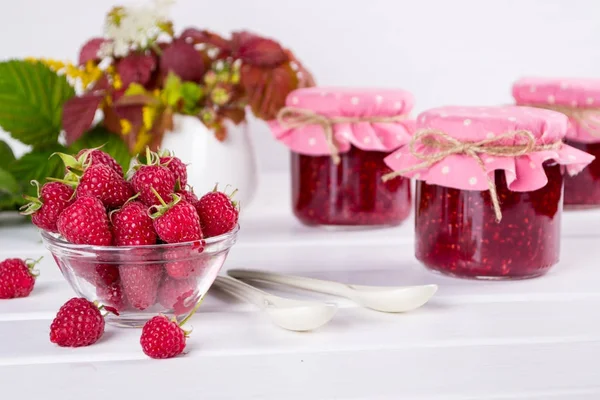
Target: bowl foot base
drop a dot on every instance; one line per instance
(135, 320)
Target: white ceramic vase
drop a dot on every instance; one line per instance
(231, 162)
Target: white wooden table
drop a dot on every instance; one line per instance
(534, 339)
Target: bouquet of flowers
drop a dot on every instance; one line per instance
(127, 86)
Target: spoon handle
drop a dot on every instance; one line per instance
(316, 285)
(241, 289)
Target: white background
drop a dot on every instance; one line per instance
(445, 52)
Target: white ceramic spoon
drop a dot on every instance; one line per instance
(290, 314)
(380, 298)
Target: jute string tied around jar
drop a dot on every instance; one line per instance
(292, 118)
(445, 145)
(587, 118)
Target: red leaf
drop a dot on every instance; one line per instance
(132, 113)
(136, 68)
(78, 115)
(258, 51)
(206, 37)
(89, 51)
(184, 60)
(267, 88)
(137, 100)
(100, 84)
(111, 119)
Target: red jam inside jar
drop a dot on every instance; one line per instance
(583, 189)
(351, 193)
(457, 233)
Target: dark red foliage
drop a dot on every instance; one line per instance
(351, 193)
(457, 232)
(183, 60)
(198, 36)
(267, 88)
(258, 51)
(89, 51)
(136, 68)
(78, 115)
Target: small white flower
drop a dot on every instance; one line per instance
(137, 29)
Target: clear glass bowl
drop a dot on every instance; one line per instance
(142, 281)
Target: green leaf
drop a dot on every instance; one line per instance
(38, 165)
(111, 143)
(172, 89)
(31, 101)
(8, 184)
(6, 154)
(135, 89)
(191, 94)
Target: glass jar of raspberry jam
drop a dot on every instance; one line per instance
(578, 99)
(338, 140)
(490, 206)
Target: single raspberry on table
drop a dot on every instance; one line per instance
(132, 226)
(140, 283)
(218, 214)
(176, 166)
(77, 323)
(177, 221)
(51, 200)
(85, 222)
(17, 278)
(152, 176)
(165, 338)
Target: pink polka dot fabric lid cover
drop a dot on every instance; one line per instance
(345, 102)
(574, 93)
(473, 124)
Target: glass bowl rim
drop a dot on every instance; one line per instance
(54, 240)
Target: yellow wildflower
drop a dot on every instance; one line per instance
(117, 82)
(148, 116)
(143, 139)
(125, 126)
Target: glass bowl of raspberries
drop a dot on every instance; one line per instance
(142, 242)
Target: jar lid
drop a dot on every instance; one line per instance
(515, 139)
(370, 119)
(578, 98)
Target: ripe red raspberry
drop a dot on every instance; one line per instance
(152, 176)
(218, 214)
(176, 222)
(78, 323)
(94, 156)
(52, 199)
(112, 295)
(162, 338)
(177, 167)
(88, 157)
(132, 226)
(185, 263)
(104, 183)
(85, 222)
(17, 278)
(189, 196)
(140, 283)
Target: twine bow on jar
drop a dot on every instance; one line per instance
(293, 117)
(587, 118)
(444, 145)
